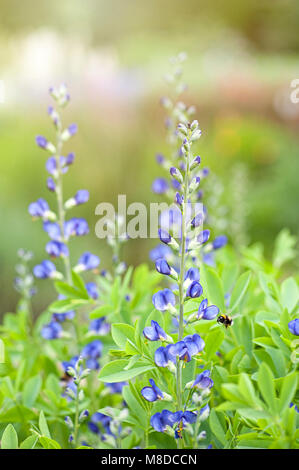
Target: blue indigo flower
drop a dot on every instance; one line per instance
(70, 158)
(192, 274)
(197, 220)
(76, 227)
(179, 199)
(62, 317)
(154, 332)
(43, 143)
(91, 352)
(204, 412)
(102, 420)
(175, 173)
(57, 249)
(116, 387)
(295, 406)
(187, 348)
(205, 312)
(99, 326)
(71, 363)
(53, 230)
(69, 132)
(160, 421)
(164, 356)
(87, 261)
(184, 418)
(92, 290)
(52, 330)
(160, 251)
(81, 196)
(40, 208)
(203, 380)
(164, 300)
(152, 393)
(164, 236)
(203, 237)
(160, 158)
(51, 184)
(163, 267)
(160, 186)
(194, 290)
(294, 326)
(51, 165)
(219, 242)
(45, 270)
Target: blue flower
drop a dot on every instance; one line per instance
(295, 406)
(81, 196)
(45, 270)
(187, 348)
(203, 237)
(197, 220)
(51, 184)
(192, 274)
(194, 290)
(152, 393)
(160, 186)
(53, 230)
(51, 165)
(294, 326)
(184, 418)
(163, 300)
(43, 143)
(160, 251)
(163, 267)
(203, 380)
(164, 356)
(160, 421)
(56, 249)
(99, 326)
(104, 421)
(91, 352)
(87, 261)
(76, 227)
(71, 363)
(52, 330)
(116, 387)
(219, 242)
(160, 158)
(154, 332)
(40, 208)
(205, 312)
(92, 290)
(62, 317)
(164, 236)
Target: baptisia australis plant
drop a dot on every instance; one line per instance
(61, 229)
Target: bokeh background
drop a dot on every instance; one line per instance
(242, 57)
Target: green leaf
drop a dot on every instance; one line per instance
(9, 438)
(48, 443)
(31, 391)
(265, 380)
(247, 390)
(288, 391)
(114, 371)
(217, 426)
(121, 332)
(65, 305)
(29, 442)
(289, 294)
(214, 287)
(284, 248)
(101, 311)
(239, 290)
(43, 425)
(2, 352)
(80, 285)
(213, 342)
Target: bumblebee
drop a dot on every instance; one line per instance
(225, 320)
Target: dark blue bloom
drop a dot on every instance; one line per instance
(154, 332)
(164, 355)
(192, 274)
(91, 352)
(160, 251)
(160, 186)
(61, 317)
(88, 261)
(52, 330)
(205, 312)
(295, 406)
(294, 326)
(71, 363)
(51, 165)
(183, 418)
(164, 236)
(203, 380)
(92, 290)
(194, 290)
(53, 230)
(75, 227)
(41, 141)
(45, 270)
(203, 237)
(152, 393)
(40, 208)
(51, 184)
(179, 199)
(163, 299)
(159, 421)
(57, 249)
(116, 387)
(99, 326)
(163, 267)
(81, 196)
(197, 220)
(219, 242)
(102, 420)
(70, 158)
(187, 348)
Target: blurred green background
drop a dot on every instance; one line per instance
(242, 57)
